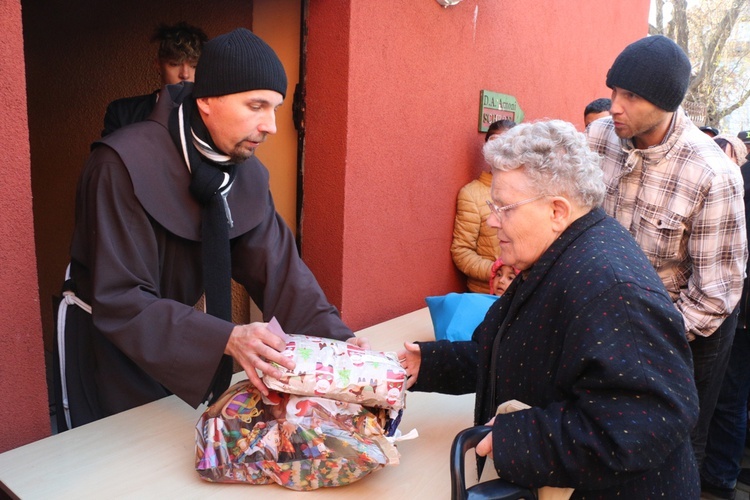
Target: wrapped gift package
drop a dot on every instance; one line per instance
(299, 442)
(345, 372)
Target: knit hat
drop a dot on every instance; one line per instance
(745, 136)
(654, 68)
(714, 131)
(238, 61)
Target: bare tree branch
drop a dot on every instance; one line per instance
(660, 15)
(716, 44)
(721, 113)
(720, 65)
(680, 20)
(659, 28)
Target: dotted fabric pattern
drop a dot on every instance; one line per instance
(592, 341)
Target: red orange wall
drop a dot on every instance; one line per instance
(24, 410)
(393, 90)
(393, 96)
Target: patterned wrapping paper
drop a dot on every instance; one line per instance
(345, 372)
(299, 442)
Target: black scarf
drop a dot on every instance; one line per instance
(211, 181)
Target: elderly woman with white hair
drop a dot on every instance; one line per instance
(586, 335)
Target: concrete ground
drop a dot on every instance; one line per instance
(742, 495)
(743, 490)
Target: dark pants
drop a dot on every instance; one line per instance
(710, 359)
(726, 435)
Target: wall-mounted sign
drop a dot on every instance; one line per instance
(494, 106)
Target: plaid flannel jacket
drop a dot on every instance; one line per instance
(682, 200)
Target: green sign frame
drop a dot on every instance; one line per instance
(494, 106)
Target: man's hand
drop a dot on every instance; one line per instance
(253, 346)
(359, 341)
(411, 359)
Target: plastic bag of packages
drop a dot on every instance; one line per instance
(298, 442)
(342, 371)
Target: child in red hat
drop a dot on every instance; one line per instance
(501, 275)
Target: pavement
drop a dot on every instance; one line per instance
(743, 490)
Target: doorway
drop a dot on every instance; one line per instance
(82, 54)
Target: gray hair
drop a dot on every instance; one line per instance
(556, 158)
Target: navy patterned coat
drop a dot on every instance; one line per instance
(592, 341)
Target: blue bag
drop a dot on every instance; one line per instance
(455, 316)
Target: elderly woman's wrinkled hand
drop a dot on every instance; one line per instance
(410, 358)
(484, 447)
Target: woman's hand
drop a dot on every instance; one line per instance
(410, 358)
(484, 447)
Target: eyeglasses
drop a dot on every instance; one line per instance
(499, 211)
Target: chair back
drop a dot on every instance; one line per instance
(496, 489)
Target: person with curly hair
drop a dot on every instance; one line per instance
(179, 47)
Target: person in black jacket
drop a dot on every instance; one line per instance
(725, 446)
(586, 334)
(179, 49)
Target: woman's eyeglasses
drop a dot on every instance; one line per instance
(499, 211)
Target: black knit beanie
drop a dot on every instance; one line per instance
(238, 61)
(654, 68)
